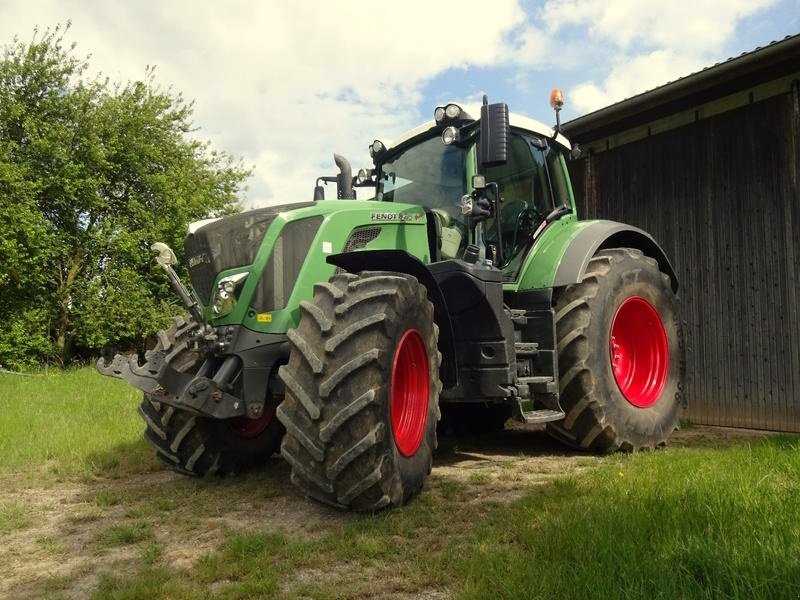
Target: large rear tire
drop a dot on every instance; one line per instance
(200, 446)
(620, 355)
(362, 390)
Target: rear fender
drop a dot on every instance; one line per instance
(600, 235)
(403, 262)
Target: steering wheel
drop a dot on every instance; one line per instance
(527, 221)
(518, 221)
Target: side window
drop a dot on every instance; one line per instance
(558, 177)
(525, 188)
(523, 179)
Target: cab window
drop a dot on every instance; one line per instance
(430, 174)
(524, 186)
(433, 175)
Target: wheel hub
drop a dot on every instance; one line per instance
(410, 390)
(639, 352)
(250, 428)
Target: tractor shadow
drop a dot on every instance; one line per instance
(516, 441)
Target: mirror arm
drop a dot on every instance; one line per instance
(498, 260)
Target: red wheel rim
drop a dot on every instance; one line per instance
(250, 428)
(409, 392)
(639, 352)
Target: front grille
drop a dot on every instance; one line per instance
(230, 242)
(284, 264)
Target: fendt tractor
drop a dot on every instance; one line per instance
(465, 289)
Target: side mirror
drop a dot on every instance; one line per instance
(495, 133)
(319, 193)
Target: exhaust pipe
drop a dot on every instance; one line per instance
(344, 180)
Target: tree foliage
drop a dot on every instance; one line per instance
(92, 173)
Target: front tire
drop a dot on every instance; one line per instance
(200, 446)
(362, 390)
(620, 355)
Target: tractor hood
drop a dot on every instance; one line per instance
(268, 255)
(221, 244)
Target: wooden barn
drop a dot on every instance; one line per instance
(708, 164)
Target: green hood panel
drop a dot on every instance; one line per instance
(302, 254)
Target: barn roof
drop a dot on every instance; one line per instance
(749, 69)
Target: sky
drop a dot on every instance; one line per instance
(283, 84)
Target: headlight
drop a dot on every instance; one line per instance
(228, 289)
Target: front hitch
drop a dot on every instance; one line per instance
(156, 378)
(199, 392)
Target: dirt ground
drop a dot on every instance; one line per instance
(75, 526)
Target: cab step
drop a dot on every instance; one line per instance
(526, 348)
(543, 415)
(538, 400)
(538, 385)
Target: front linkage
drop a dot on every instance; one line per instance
(206, 388)
(197, 392)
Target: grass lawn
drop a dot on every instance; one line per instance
(85, 511)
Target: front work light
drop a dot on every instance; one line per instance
(450, 112)
(450, 134)
(363, 175)
(376, 148)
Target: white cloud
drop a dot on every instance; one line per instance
(647, 43)
(284, 84)
(633, 76)
(685, 25)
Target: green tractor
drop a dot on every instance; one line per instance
(341, 331)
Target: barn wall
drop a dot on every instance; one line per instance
(721, 196)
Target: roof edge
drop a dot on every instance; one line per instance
(687, 85)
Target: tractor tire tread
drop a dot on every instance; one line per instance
(341, 458)
(586, 424)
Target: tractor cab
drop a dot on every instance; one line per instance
(434, 165)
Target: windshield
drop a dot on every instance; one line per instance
(429, 174)
(433, 175)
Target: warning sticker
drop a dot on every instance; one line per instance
(264, 317)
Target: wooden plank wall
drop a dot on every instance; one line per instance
(721, 196)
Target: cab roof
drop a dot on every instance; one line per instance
(515, 120)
